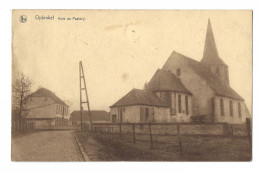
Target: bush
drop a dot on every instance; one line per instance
(198, 118)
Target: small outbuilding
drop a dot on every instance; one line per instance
(138, 106)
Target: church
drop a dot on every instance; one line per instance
(183, 90)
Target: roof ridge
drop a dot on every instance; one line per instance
(204, 72)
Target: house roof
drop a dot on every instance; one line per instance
(96, 115)
(140, 97)
(210, 54)
(165, 80)
(43, 92)
(205, 73)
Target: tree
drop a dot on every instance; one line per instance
(21, 88)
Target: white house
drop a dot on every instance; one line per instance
(46, 109)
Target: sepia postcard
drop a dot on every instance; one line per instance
(131, 85)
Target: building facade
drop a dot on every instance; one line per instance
(187, 88)
(139, 106)
(46, 109)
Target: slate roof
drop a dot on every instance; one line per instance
(43, 92)
(210, 54)
(164, 80)
(140, 97)
(96, 115)
(205, 73)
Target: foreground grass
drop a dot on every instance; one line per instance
(102, 147)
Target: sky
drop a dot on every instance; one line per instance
(121, 50)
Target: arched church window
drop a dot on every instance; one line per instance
(178, 72)
(179, 103)
(187, 105)
(222, 107)
(239, 109)
(231, 108)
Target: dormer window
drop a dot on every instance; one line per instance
(178, 72)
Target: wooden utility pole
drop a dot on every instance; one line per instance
(83, 87)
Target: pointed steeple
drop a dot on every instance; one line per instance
(210, 54)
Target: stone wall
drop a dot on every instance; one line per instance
(221, 129)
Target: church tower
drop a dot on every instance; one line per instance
(211, 58)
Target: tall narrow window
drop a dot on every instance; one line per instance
(56, 109)
(239, 109)
(46, 99)
(146, 114)
(231, 108)
(179, 103)
(178, 72)
(222, 107)
(187, 105)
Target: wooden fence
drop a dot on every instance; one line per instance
(176, 129)
(22, 127)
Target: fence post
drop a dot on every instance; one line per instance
(120, 131)
(249, 134)
(151, 138)
(180, 143)
(232, 135)
(133, 133)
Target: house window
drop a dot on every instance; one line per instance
(239, 109)
(222, 107)
(231, 108)
(57, 109)
(179, 103)
(31, 99)
(187, 105)
(46, 99)
(146, 115)
(178, 72)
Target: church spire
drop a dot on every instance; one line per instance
(210, 54)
